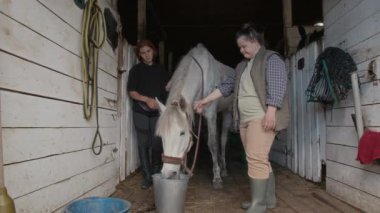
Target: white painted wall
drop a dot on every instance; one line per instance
(353, 26)
(130, 140)
(305, 148)
(47, 142)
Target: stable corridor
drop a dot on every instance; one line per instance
(294, 194)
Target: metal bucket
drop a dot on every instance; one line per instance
(170, 194)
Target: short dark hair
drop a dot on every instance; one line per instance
(145, 43)
(251, 31)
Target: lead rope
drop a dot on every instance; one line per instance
(183, 161)
(190, 171)
(197, 144)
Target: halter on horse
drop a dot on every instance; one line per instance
(174, 124)
(197, 74)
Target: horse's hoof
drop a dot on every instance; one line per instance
(217, 184)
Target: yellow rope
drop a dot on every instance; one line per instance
(92, 25)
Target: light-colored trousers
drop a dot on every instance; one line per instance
(257, 143)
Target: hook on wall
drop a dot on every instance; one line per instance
(372, 69)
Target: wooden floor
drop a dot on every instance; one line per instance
(294, 194)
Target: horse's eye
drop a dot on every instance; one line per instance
(182, 133)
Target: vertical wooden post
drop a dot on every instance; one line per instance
(161, 52)
(1, 152)
(287, 17)
(141, 19)
(121, 101)
(170, 63)
(7, 205)
(287, 11)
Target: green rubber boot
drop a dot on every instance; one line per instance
(271, 199)
(258, 193)
(271, 192)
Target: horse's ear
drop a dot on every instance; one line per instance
(161, 106)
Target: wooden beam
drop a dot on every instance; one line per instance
(141, 19)
(287, 12)
(170, 63)
(287, 17)
(161, 52)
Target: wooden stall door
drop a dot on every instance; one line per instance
(306, 139)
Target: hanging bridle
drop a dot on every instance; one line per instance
(183, 160)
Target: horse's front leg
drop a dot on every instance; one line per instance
(214, 149)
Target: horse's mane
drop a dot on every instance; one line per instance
(177, 83)
(177, 80)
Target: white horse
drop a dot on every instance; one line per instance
(197, 74)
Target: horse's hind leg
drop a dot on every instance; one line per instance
(214, 149)
(227, 122)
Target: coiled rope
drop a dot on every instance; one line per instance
(93, 27)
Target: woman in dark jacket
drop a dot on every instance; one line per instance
(146, 82)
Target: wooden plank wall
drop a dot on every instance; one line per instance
(353, 26)
(47, 142)
(132, 157)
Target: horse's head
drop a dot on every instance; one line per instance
(174, 127)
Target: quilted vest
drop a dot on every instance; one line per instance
(259, 81)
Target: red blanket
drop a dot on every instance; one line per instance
(369, 147)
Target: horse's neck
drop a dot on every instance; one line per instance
(191, 94)
(200, 81)
(190, 89)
